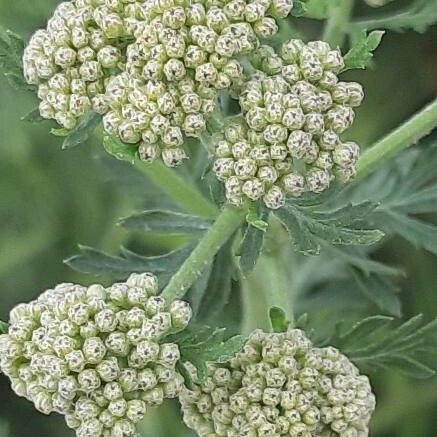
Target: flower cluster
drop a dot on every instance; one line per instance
(153, 67)
(295, 109)
(183, 54)
(95, 355)
(281, 385)
(70, 59)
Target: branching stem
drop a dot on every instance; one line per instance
(181, 192)
(417, 127)
(225, 225)
(336, 25)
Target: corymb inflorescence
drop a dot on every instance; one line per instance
(280, 385)
(295, 109)
(152, 68)
(96, 355)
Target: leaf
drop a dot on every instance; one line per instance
(418, 15)
(417, 232)
(316, 9)
(33, 116)
(308, 230)
(95, 262)
(201, 345)
(166, 222)
(253, 241)
(381, 290)
(120, 150)
(219, 286)
(3, 327)
(11, 54)
(377, 341)
(278, 319)
(361, 53)
(83, 129)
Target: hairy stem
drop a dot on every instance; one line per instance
(336, 25)
(182, 192)
(417, 127)
(225, 225)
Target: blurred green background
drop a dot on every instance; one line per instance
(51, 200)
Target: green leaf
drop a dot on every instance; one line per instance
(308, 229)
(120, 150)
(316, 9)
(11, 54)
(95, 262)
(218, 289)
(418, 15)
(417, 232)
(253, 241)
(201, 345)
(379, 342)
(83, 129)
(278, 319)
(3, 327)
(33, 116)
(166, 222)
(381, 290)
(59, 132)
(361, 53)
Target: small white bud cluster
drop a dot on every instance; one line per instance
(184, 52)
(95, 354)
(70, 59)
(295, 109)
(167, 58)
(280, 385)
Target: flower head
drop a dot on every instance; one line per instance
(295, 110)
(281, 385)
(95, 354)
(153, 68)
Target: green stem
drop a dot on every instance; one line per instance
(336, 25)
(225, 225)
(267, 286)
(182, 192)
(417, 127)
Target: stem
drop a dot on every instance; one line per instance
(336, 25)
(225, 225)
(268, 286)
(182, 192)
(417, 127)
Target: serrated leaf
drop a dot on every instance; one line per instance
(308, 229)
(83, 129)
(95, 262)
(417, 232)
(166, 222)
(17, 82)
(361, 53)
(3, 327)
(364, 328)
(378, 342)
(202, 345)
(11, 54)
(381, 290)
(120, 150)
(418, 15)
(278, 319)
(33, 116)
